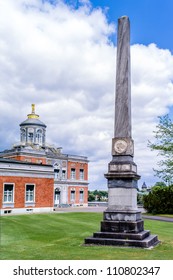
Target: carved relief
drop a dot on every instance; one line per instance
(120, 146)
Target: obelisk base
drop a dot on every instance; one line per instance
(122, 221)
(121, 228)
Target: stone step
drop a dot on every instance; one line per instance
(147, 242)
(119, 235)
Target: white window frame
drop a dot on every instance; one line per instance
(63, 174)
(23, 135)
(56, 173)
(33, 193)
(73, 173)
(81, 174)
(81, 191)
(72, 195)
(8, 194)
(39, 136)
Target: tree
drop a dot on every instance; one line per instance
(91, 196)
(164, 146)
(159, 200)
(97, 195)
(161, 184)
(139, 198)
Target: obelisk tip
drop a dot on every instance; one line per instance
(124, 17)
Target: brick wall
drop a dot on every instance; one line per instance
(77, 166)
(44, 190)
(77, 195)
(32, 159)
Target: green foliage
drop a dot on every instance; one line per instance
(97, 195)
(159, 200)
(91, 196)
(164, 146)
(139, 198)
(161, 184)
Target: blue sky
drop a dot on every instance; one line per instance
(58, 55)
(151, 20)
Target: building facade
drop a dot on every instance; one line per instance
(25, 187)
(32, 168)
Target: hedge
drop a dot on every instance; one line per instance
(159, 200)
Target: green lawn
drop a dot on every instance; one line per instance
(60, 236)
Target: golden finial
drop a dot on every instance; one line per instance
(33, 114)
(33, 108)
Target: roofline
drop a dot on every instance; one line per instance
(28, 124)
(22, 162)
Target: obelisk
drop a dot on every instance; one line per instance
(122, 171)
(122, 223)
(123, 81)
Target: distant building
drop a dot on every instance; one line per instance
(144, 187)
(35, 176)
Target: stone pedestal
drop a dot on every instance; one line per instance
(122, 224)
(122, 228)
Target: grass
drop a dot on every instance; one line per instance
(159, 215)
(60, 236)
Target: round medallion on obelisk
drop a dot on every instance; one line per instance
(120, 146)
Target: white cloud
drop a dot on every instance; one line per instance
(62, 60)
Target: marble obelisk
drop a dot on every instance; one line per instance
(122, 171)
(122, 223)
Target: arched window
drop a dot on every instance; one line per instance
(30, 137)
(23, 135)
(56, 170)
(39, 136)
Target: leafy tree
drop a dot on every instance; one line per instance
(97, 195)
(161, 184)
(159, 200)
(164, 146)
(91, 196)
(139, 198)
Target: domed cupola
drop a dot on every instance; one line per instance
(32, 130)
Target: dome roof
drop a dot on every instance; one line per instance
(33, 119)
(33, 122)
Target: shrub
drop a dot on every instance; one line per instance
(159, 200)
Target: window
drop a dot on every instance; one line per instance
(30, 137)
(39, 136)
(81, 174)
(8, 192)
(29, 193)
(73, 173)
(56, 171)
(81, 195)
(72, 195)
(23, 135)
(63, 174)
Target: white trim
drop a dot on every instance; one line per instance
(25, 173)
(34, 192)
(73, 173)
(27, 210)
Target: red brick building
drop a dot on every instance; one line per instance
(25, 187)
(38, 177)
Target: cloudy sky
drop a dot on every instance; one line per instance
(61, 55)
